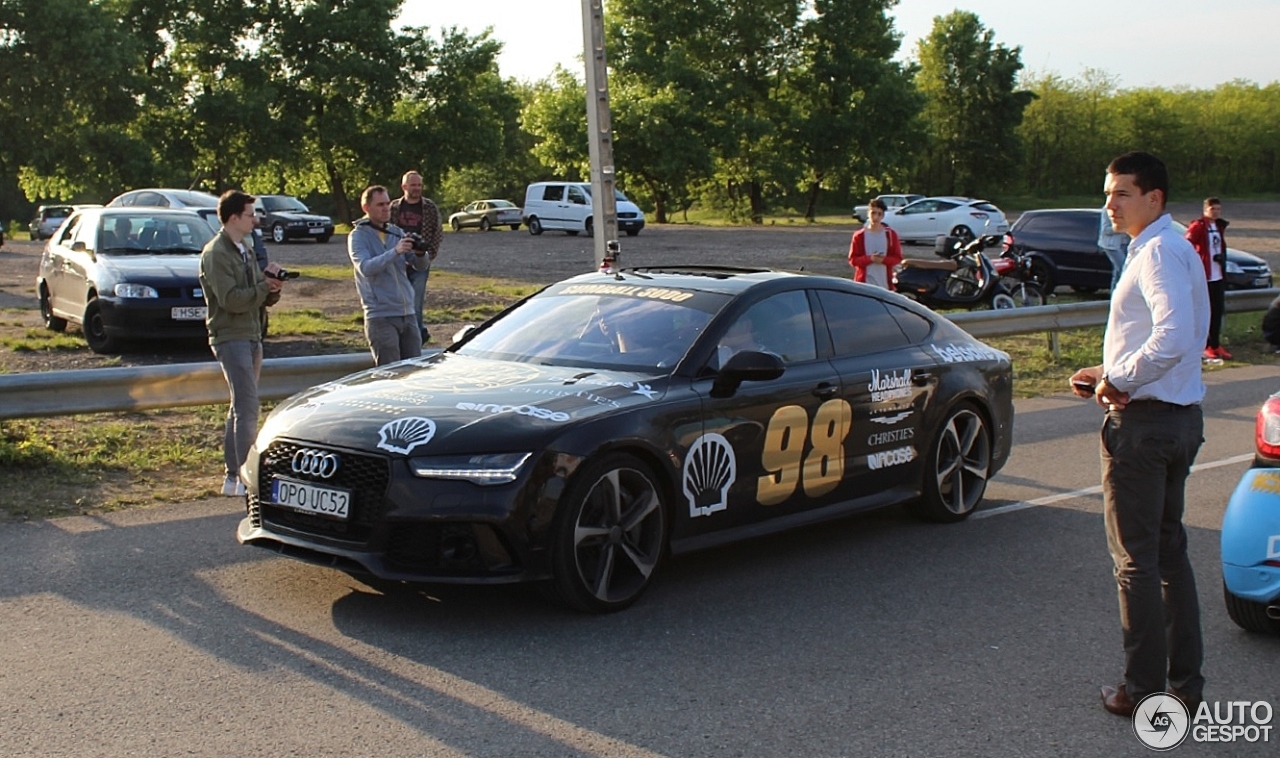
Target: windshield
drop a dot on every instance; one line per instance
(285, 204)
(599, 326)
(146, 234)
(617, 193)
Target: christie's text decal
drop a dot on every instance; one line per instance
(893, 435)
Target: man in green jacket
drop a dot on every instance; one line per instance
(236, 291)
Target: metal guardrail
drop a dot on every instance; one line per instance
(66, 393)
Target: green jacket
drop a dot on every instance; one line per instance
(235, 291)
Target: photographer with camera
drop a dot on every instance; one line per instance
(236, 292)
(1206, 235)
(383, 255)
(420, 218)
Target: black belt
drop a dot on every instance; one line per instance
(1150, 404)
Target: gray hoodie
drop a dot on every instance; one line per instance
(381, 278)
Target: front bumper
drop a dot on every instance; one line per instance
(151, 319)
(1251, 537)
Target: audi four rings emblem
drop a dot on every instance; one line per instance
(315, 463)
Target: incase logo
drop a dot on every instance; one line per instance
(888, 458)
(522, 410)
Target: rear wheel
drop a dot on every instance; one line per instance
(590, 226)
(484, 224)
(535, 226)
(610, 535)
(1248, 615)
(962, 233)
(95, 329)
(1042, 275)
(51, 322)
(957, 467)
(632, 232)
(323, 238)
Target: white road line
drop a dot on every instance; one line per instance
(1050, 499)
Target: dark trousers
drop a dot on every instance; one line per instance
(1147, 452)
(1217, 306)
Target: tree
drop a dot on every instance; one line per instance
(972, 109)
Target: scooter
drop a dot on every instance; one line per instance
(964, 278)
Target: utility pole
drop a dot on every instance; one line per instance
(604, 205)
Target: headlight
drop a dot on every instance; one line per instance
(1234, 268)
(297, 223)
(135, 290)
(486, 469)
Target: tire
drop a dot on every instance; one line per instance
(95, 330)
(610, 535)
(484, 224)
(1042, 275)
(1248, 615)
(277, 233)
(1027, 295)
(964, 233)
(51, 322)
(590, 226)
(323, 238)
(535, 226)
(1084, 290)
(454, 225)
(957, 467)
(1003, 301)
(515, 227)
(571, 232)
(632, 232)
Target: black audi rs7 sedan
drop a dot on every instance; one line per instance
(608, 421)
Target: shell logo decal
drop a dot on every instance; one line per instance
(404, 434)
(709, 471)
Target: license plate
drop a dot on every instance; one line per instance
(309, 498)
(189, 314)
(316, 230)
(1264, 281)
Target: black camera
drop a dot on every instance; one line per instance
(282, 274)
(415, 239)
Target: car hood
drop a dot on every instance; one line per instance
(299, 216)
(177, 266)
(1242, 258)
(447, 403)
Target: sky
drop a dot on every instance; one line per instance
(1161, 43)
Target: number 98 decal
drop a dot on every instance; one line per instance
(784, 451)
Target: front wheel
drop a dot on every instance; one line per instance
(632, 232)
(484, 224)
(1027, 295)
(1042, 275)
(323, 238)
(95, 330)
(515, 227)
(957, 467)
(1002, 301)
(535, 226)
(590, 226)
(962, 233)
(277, 234)
(454, 225)
(609, 536)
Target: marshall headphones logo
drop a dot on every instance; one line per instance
(314, 463)
(894, 385)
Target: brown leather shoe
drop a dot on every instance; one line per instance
(1192, 704)
(1116, 700)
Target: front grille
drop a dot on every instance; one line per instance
(365, 476)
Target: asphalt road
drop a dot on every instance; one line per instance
(151, 632)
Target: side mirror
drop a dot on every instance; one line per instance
(746, 366)
(462, 333)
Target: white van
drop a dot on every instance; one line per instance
(567, 206)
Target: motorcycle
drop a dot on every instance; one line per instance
(966, 278)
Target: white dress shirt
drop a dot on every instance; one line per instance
(1159, 319)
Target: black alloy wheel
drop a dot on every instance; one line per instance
(957, 467)
(610, 535)
(1042, 275)
(51, 322)
(962, 233)
(95, 330)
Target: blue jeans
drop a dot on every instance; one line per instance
(419, 281)
(241, 362)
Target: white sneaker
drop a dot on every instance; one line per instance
(232, 487)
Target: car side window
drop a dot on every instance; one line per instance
(576, 197)
(944, 206)
(915, 327)
(924, 206)
(69, 233)
(859, 325)
(781, 324)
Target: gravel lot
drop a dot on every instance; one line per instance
(522, 257)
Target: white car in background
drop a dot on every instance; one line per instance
(929, 218)
(890, 201)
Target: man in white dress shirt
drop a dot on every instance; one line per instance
(1150, 383)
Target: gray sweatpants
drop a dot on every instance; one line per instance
(241, 362)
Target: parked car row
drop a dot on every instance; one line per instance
(1062, 245)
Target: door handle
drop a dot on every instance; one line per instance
(825, 391)
(921, 378)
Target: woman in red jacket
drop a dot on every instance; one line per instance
(875, 249)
